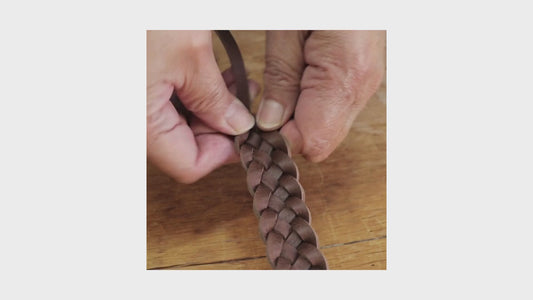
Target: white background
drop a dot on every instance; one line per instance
(73, 153)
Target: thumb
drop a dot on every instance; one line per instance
(202, 91)
(283, 70)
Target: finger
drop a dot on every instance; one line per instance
(284, 66)
(200, 130)
(172, 146)
(203, 91)
(343, 73)
(318, 127)
(198, 126)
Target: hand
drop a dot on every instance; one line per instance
(325, 78)
(184, 61)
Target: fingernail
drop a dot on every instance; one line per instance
(270, 114)
(238, 117)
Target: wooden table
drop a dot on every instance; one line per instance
(210, 224)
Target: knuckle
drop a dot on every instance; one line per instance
(197, 42)
(207, 101)
(279, 73)
(365, 70)
(188, 178)
(320, 143)
(317, 149)
(351, 79)
(337, 86)
(186, 174)
(363, 80)
(158, 124)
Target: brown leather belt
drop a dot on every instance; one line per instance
(272, 179)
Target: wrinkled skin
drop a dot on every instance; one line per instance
(319, 81)
(324, 78)
(184, 60)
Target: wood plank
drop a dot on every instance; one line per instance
(254, 263)
(365, 255)
(212, 219)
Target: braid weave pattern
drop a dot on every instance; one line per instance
(279, 202)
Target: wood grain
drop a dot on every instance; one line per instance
(210, 224)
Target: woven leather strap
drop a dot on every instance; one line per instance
(279, 202)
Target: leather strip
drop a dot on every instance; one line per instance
(237, 65)
(272, 180)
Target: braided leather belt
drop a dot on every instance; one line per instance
(272, 179)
